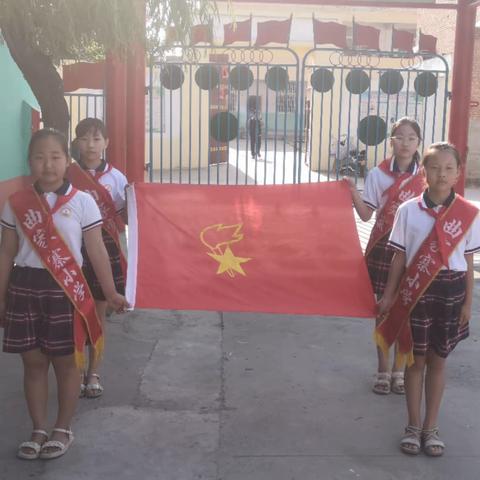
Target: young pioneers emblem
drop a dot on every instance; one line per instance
(218, 239)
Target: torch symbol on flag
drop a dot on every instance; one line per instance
(218, 238)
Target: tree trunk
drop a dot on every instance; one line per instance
(42, 76)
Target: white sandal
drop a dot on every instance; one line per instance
(61, 448)
(35, 446)
(398, 383)
(382, 383)
(432, 445)
(410, 442)
(93, 390)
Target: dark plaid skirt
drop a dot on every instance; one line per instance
(435, 318)
(378, 264)
(38, 315)
(89, 273)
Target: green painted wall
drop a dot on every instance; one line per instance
(16, 101)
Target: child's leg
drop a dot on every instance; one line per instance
(398, 368)
(434, 386)
(410, 442)
(35, 383)
(413, 390)
(94, 361)
(381, 356)
(382, 360)
(398, 361)
(66, 373)
(382, 381)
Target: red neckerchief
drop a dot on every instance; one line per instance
(112, 221)
(451, 225)
(405, 187)
(35, 218)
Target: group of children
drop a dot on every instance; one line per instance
(62, 265)
(420, 262)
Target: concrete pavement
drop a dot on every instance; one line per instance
(233, 397)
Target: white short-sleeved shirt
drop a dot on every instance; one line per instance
(78, 215)
(412, 226)
(377, 182)
(115, 182)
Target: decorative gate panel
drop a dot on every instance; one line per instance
(224, 116)
(351, 99)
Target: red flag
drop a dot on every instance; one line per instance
(427, 43)
(277, 31)
(277, 248)
(402, 40)
(237, 32)
(366, 37)
(329, 32)
(200, 34)
(83, 75)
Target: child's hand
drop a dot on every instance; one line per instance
(118, 303)
(383, 307)
(351, 184)
(465, 314)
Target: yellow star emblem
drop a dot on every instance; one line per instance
(229, 262)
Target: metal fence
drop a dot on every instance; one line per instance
(244, 115)
(224, 116)
(351, 100)
(82, 105)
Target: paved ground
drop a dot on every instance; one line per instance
(204, 395)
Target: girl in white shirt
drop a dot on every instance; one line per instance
(35, 309)
(437, 288)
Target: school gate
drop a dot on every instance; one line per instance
(316, 118)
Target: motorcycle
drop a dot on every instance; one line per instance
(354, 164)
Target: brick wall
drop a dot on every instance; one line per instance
(440, 24)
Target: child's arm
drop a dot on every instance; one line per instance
(363, 210)
(466, 312)
(397, 269)
(8, 250)
(101, 265)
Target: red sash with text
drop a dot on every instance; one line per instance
(405, 187)
(451, 225)
(112, 222)
(36, 220)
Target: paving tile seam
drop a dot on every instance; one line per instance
(156, 406)
(141, 399)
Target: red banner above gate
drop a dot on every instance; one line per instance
(281, 249)
(329, 32)
(276, 31)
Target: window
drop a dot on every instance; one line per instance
(287, 101)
